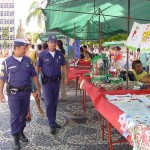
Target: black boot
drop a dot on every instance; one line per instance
(16, 142)
(22, 136)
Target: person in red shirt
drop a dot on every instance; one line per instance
(118, 59)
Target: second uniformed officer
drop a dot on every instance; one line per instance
(49, 64)
(17, 71)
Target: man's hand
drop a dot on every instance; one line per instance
(2, 98)
(38, 94)
(66, 81)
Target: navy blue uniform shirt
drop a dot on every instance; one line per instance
(51, 66)
(17, 73)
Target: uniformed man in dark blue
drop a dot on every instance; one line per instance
(49, 64)
(17, 71)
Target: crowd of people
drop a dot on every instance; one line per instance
(117, 57)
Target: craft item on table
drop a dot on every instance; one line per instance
(143, 98)
(118, 97)
(115, 80)
(100, 64)
(106, 87)
(132, 85)
(107, 82)
(131, 104)
(135, 120)
(140, 136)
(126, 123)
(74, 62)
(97, 80)
(87, 74)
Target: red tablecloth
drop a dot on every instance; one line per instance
(84, 63)
(77, 72)
(104, 107)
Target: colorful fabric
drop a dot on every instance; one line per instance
(140, 137)
(134, 121)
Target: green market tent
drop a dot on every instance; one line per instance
(84, 19)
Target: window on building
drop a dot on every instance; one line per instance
(1, 13)
(5, 21)
(0, 28)
(11, 29)
(1, 5)
(11, 21)
(4, 13)
(1, 21)
(0, 37)
(5, 5)
(1, 46)
(11, 5)
(11, 37)
(7, 13)
(10, 45)
(11, 13)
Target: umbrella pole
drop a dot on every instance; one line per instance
(128, 25)
(100, 33)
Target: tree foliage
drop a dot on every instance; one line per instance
(35, 11)
(5, 33)
(5, 45)
(35, 37)
(117, 37)
(28, 34)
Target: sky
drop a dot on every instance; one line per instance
(21, 12)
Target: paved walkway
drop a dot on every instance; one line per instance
(79, 132)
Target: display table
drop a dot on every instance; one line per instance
(74, 73)
(109, 111)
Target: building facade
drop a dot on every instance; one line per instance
(7, 19)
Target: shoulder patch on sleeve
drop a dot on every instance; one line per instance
(2, 67)
(1, 74)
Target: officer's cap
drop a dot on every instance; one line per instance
(52, 38)
(20, 42)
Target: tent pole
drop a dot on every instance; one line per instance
(100, 32)
(128, 25)
(74, 43)
(88, 28)
(94, 6)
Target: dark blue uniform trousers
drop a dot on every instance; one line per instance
(51, 93)
(19, 105)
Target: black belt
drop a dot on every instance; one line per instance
(14, 90)
(47, 79)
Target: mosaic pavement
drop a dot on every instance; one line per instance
(78, 132)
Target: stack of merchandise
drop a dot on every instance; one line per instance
(100, 74)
